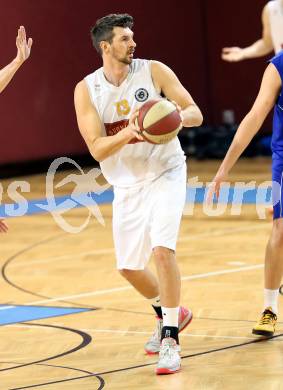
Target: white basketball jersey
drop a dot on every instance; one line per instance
(138, 161)
(275, 9)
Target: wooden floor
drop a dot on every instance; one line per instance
(221, 264)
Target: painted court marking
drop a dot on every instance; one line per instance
(125, 332)
(125, 288)
(106, 251)
(22, 313)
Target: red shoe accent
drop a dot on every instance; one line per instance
(147, 352)
(165, 371)
(183, 313)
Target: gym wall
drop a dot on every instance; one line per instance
(36, 109)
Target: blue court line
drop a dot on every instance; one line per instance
(194, 195)
(67, 202)
(10, 314)
(229, 195)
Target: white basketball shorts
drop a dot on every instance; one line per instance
(148, 216)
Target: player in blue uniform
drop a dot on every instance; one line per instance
(270, 95)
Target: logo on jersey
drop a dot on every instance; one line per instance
(115, 127)
(141, 95)
(123, 107)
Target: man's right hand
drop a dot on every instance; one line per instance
(232, 54)
(132, 130)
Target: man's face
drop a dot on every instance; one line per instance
(123, 45)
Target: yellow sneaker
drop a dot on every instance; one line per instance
(266, 324)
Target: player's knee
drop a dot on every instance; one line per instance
(126, 273)
(277, 233)
(163, 255)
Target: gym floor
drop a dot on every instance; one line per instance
(69, 321)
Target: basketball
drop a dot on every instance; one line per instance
(159, 121)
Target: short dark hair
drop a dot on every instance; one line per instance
(103, 28)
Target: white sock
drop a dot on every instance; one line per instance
(155, 301)
(170, 316)
(271, 299)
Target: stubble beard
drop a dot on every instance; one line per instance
(126, 61)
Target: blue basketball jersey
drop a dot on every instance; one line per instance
(277, 136)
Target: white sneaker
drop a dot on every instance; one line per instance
(153, 345)
(169, 357)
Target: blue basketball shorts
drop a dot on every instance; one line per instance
(277, 193)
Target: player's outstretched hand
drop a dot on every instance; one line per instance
(23, 46)
(232, 54)
(214, 188)
(3, 226)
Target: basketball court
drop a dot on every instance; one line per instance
(69, 320)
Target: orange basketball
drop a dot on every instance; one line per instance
(159, 121)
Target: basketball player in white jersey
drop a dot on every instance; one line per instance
(7, 73)
(272, 36)
(149, 180)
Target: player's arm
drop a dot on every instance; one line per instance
(90, 127)
(258, 49)
(167, 82)
(23, 52)
(268, 93)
